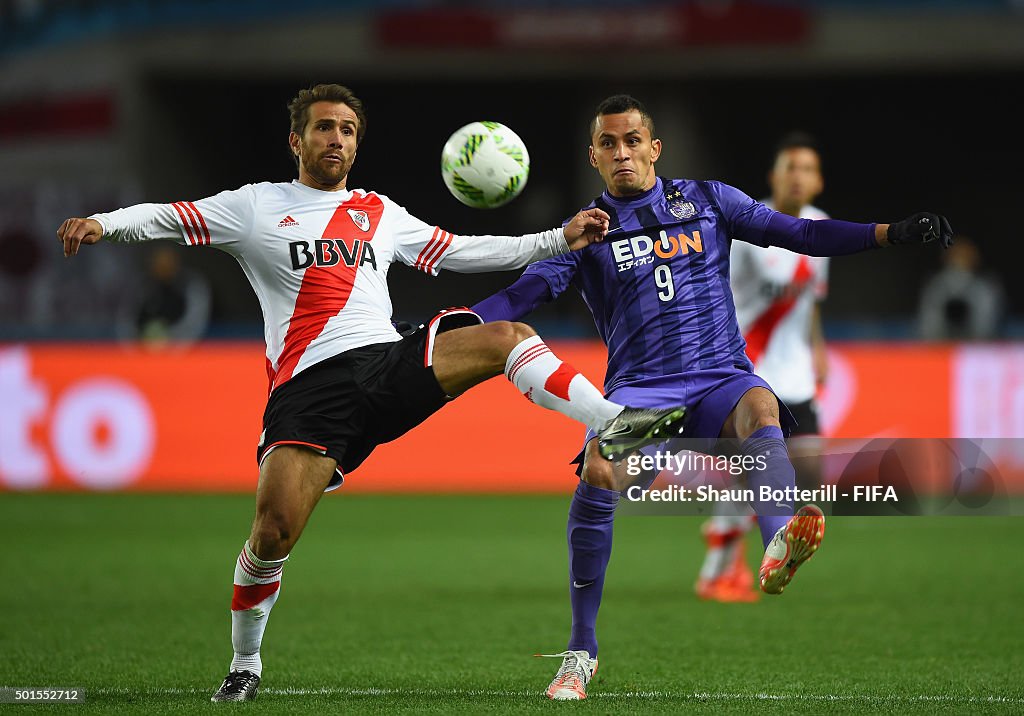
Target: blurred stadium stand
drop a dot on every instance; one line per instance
(103, 104)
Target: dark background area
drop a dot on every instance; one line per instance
(892, 145)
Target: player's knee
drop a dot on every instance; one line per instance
(509, 334)
(759, 408)
(499, 338)
(272, 535)
(599, 473)
(522, 332)
(762, 420)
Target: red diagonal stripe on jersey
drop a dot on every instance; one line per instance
(439, 252)
(200, 239)
(761, 331)
(249, 596)
(325, 289)
(202, 221)
(426, 250)
(185, 223)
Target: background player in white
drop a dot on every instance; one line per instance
(777, 295)
(342, 380)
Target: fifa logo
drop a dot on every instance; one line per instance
(638, 247)
(331, 252)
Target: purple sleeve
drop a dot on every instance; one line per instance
(514, 302)
(755, 223)
(823, 237)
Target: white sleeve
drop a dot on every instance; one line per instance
(740, 264)
(222, 220)
(821, 278)
(431, 248)
(820, 285)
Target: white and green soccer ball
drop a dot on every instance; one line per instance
(485, 165)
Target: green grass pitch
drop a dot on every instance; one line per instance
(437, 604)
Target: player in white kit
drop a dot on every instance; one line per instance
(341, 378)
(777, 295)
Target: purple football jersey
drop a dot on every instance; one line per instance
(658, 285)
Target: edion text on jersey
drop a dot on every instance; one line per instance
(623, 250)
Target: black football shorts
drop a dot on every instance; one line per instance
(806, 415)
(343, 407)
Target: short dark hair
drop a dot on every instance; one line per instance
(298, 108)
(619, 104)
(797, 139)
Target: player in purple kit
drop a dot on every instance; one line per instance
(658, 288)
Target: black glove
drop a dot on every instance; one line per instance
(920, 229)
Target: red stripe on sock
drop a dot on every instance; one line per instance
(258, 572)
(249, 596)
(558, 382)
(528, 355)
(720, 539)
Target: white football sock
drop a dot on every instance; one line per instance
(723, 534)
(257, 586)
(547, 381)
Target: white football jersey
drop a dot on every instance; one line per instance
(775, 323)
(318, 260)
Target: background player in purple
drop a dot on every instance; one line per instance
(658, 288)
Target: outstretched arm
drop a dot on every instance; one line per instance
(823, 237)
(430, 248)
(524, 296)
(755, 223)
(473, 254)
(219, 221)
(142, 222)
(75, 231)
(587, 227)
(542, 282)
(830, 237)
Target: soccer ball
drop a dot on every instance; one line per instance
(485, 165)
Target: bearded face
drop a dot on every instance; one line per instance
(327, 147)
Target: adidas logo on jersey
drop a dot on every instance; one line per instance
(287, 221)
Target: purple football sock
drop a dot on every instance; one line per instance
(768, 447)
(591, 516)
